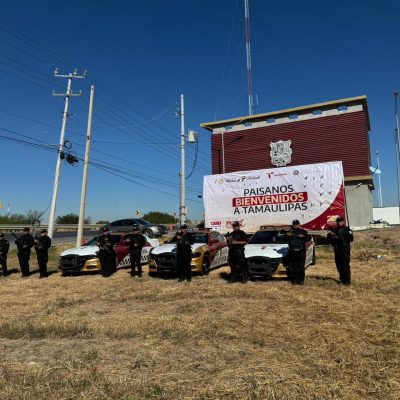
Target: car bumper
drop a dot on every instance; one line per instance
(79, 264)
(168, 264)
(266, 267)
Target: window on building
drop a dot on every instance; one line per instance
(317, 112)
(342, 108)
(293, 116)
(270, 120)
(247, 124)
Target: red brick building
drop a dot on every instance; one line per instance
(331, 131)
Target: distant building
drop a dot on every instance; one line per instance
(331, 131)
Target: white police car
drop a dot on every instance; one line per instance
(267, 253)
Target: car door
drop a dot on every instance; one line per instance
(122, 252)
(128, 225)
(220, 249)
(309, 252)
(116, 226)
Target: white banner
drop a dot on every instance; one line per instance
(312, 193)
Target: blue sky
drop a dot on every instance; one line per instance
(142, 55)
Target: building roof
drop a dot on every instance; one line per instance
(303, 109)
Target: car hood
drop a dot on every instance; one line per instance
(81, 251)
(153, 242)
(266, 250)
(167, 248)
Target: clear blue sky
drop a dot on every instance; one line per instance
(142, 55)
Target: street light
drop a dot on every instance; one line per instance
(379, 179)
(397, 140)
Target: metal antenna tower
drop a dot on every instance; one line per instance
(248, 57)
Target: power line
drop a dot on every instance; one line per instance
(47, 146)
(24, 38)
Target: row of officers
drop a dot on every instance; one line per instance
(339, 237)
(136, 242)
(24, 244)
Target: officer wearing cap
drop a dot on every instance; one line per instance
(184, 241)
(24, 244)
(136, 242)
(340, 238)
(106, 253)
(42, 246)
(297, 252)
(236, 259)
(4, 247)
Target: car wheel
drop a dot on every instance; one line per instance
(149, 233)
(205, 266)
(314, 258)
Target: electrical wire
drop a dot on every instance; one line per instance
(43, 145)
(24, 38)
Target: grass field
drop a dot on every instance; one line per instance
(89, 337)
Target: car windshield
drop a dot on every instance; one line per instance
(142, 221)
(268, 237)
(93, 242)
(198, 237)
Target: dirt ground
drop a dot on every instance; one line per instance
(89, 337)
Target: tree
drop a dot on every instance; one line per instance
(157, 217)
(68, 219)
(71, 219)
(28, 218)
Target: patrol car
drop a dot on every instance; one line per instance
(267, 253)
(208, 251)
(86, 259)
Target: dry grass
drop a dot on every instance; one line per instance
(89, 337)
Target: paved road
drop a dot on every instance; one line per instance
(59, 237)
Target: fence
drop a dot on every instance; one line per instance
(57, 228)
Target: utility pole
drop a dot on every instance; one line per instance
(379, 179)
(61, 145)
(397, 140)
(85, 171)
(182, 206)
(248, 57)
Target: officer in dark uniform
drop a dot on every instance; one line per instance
(184, 241)
(136, 242)
(237, 261)
(24, 244)
(297, 252)
(42, 246)
(340, 238)
(106, 253)
(4, 247)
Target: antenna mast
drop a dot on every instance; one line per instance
(248, 57)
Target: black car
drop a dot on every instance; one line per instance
(126, 225)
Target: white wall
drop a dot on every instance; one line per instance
(389, 214)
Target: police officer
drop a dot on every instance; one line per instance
(297, 252)
(136, 243)
(237, 261)
(24, 244)
(184, 241)
(4, 247)
(340, 238)
(106, 253)
(42, 246)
